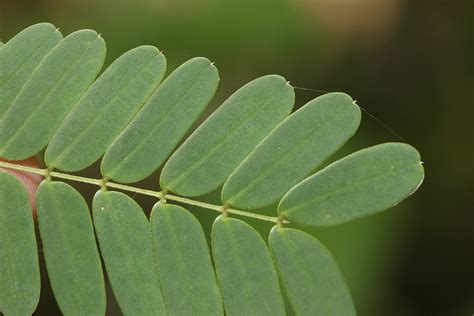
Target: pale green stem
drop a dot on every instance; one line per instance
(159, 195)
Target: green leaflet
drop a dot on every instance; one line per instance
(20, 276)
(20, 56)
(105, 109)
(292, 151)
(187, 277)
(70, 251)
(309, 274)
(125, 242)
(248, 145)
(210, 154)
(365, 182)
(245, 270)
(53, 89)
(159, 126)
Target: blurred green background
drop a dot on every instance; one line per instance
(409, 63)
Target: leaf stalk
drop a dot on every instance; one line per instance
(101, 183)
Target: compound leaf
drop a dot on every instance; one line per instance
(70, 250)
(292, 151)
(125, 242)
(210, 154)
(365, 182)
(156, 130)
(188, 280)
(248, 145)
(309, 274)
(20, 56)
(53, 89)
(20, 276)
(245, 270)
(105, 109)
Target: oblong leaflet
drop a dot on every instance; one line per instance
(188, 280)
(210, 154)
(20, 56)
(292, 151)
(105, 109)
(125, 242)
(51, 92)
(245, 270)
(363, 183)
(156, 130)
(309, 274)
(70, 250)
(20, 275)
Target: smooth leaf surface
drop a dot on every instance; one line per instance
(51, 92)
(249, 147)
(106, 108)
(365, 182)
(164, 120)
(20, 56)
(20, 276)
(188, 280)
(126, 246)
(245, 270)
(70, 250)
(309, 274)
(292, 151)
(210, 154)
